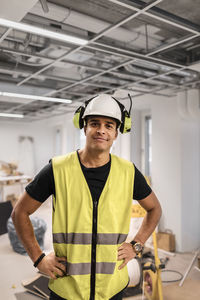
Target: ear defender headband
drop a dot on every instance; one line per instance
(125, 125)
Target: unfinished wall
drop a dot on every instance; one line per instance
(43, 141)
(175, 168)
(190, 170)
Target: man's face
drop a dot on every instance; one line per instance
(100, 133)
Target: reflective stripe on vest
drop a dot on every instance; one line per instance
(72, 228)
(85, 268)
(86, 238)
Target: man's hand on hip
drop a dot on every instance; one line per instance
(126, 253)
(51, 265)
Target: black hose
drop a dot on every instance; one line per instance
(175, 280)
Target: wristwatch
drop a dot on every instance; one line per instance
(137, 248)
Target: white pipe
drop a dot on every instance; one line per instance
(189, 268)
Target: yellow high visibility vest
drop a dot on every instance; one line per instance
(72, 226)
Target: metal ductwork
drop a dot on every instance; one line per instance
(189, 104)
(71, 17)
(129, 48)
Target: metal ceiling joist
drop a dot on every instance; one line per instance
(5, 34)
(121, 86)
(131, 61)
(163, 18)
(131, 54)
(99, 74)
(122, 57)
(108, 71)
(103, 32)
(72, 63)
(181, 41)
(146, 80)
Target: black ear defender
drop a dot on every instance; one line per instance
(125, 125)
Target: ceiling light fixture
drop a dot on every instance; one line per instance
(43, 32)
(33, 97)
(11, 115)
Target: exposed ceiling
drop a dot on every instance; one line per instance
(144, 47)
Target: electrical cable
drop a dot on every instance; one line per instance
(173, 271)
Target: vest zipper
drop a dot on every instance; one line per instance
(93, 254)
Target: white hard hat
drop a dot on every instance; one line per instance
(103, 105)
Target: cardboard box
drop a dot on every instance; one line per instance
(166, 241)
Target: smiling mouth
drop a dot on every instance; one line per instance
(100, 139)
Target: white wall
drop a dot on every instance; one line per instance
(11, 151)
(175, 168)
(43, 141)
(136, 138)
(190, 170)
(166, 163)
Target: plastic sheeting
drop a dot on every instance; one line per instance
(39, 226)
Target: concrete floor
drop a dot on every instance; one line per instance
(16, 267)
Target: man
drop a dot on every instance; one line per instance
(92, 198)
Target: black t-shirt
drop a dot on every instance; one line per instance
(43, 184)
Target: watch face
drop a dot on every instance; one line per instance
(138, 247)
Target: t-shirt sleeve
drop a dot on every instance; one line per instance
(42, 185)
(141, 187)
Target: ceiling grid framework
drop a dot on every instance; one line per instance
(140, 47)
(99, 35)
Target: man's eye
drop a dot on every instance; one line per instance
(109, 126)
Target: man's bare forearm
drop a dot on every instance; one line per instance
(154, 211)
(26, 234)
(150, 221)
(50, 264)
(20, 216)
(148, 225)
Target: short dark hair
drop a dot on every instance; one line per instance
(115, 120)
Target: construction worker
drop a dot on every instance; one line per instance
(92, 199)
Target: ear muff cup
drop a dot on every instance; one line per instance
(77, 119)
(78, 115)
(126, 124)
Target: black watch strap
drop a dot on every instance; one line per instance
(133, 242)
(137, 247)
